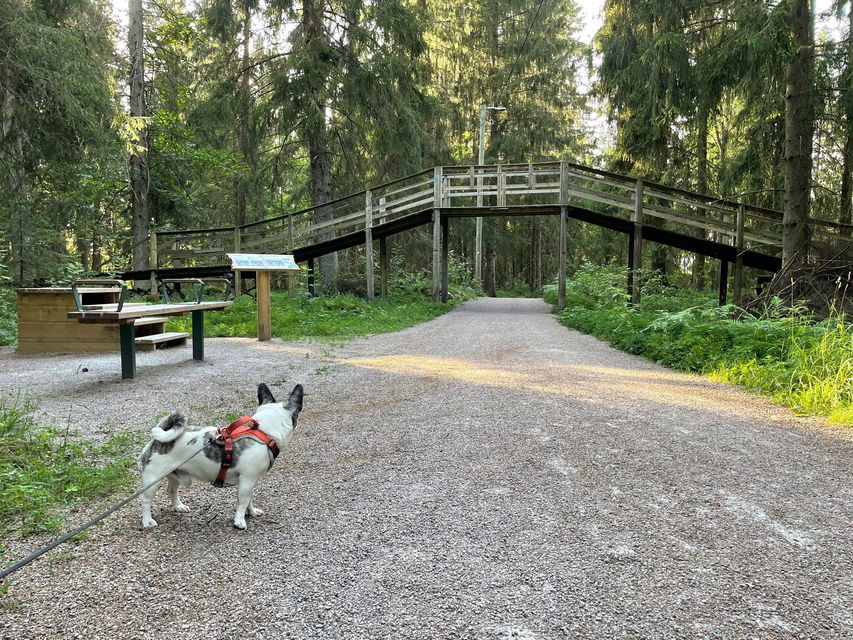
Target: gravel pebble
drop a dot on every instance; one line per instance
(486, 475)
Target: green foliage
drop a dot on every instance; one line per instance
(8, 308)
(8, 317)
(334, 317)
(43, 469)
(805, 366)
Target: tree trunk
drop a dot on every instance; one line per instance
(138, 160)
(20, 224)
(315, 41)
(847, 159)
(701, 187)
(244, 124)
(489, 271)
(97, 261)
(799, 133)
(534, 280)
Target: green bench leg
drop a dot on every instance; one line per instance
(198, 335)
(127, 335)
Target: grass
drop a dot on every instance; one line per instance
(805, 365)
(328, 318)
(44, 469)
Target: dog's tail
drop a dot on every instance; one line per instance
(170, 428)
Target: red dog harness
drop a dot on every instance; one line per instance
(245, 427)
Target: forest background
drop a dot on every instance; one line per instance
(219, 112)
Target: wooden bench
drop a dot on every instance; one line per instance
(126, 316)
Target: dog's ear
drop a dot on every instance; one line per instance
(294, 403)
(264, 394)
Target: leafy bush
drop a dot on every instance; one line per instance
(8, 317)
(43, 469)
(806, 366)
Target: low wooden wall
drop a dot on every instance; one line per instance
(43, 325)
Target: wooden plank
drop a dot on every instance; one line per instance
(699, 203)
(66, 291)
(602, 181)
(413, 207)
(726, 228)
(65, 330)
(51, 314)
(418, 185)
(409, 198)
(29, 347)
(141, 322)
(261, 242)
(161, 337)
(122, 317)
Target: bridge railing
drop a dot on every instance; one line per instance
(494, 186)
(282, 234)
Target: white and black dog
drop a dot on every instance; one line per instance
(174, 442)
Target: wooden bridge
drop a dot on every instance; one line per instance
(743, 235)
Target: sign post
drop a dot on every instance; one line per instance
(262, 264)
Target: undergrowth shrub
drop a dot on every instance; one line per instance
(805, 365)
(43, 469)
(8, 317)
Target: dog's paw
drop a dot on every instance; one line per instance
(254, 512)
(240, 524)
(149, 523)
(182, 508)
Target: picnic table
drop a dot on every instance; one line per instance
(124, 317)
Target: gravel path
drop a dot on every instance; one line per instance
(488, 474)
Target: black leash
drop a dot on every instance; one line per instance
(18, 565)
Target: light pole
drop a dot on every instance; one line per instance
(481, 159)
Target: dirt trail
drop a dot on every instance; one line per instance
(488, 474)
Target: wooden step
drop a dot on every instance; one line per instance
(143, 321)
(161, 340)
(144, 327)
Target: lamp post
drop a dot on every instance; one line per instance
(481, 159)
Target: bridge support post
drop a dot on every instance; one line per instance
(291, 277)
(436, 255)
(478, 228)
(383, 266)
(564, 221)
(724, 281)
(311, 276)
(152, 261)
(368, 242)
(561, 278)
(238, 279)
(636, 249)
(737, 289)
(436, 234)
(445, 242)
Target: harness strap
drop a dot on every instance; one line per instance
(240, 428)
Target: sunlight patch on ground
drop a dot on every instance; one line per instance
(607, 385)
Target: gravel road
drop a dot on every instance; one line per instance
(489, 474)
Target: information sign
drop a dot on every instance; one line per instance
(265, 262)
